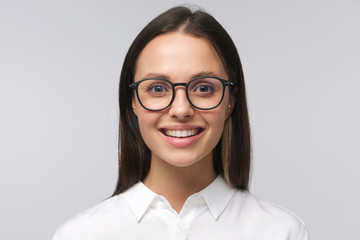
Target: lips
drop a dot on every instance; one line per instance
(182, 136)
(181, 133)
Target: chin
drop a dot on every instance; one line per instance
(182, 160)
(182, 163)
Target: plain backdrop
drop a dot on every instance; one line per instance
(60, 63)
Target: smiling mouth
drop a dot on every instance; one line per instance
(182, 133)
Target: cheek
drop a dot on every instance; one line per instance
(216, 119)
(147, 123)
(143, 124)
(221, 110)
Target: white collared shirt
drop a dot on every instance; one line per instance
(216, 212)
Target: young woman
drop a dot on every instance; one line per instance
(184, 160)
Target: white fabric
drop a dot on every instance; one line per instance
(216, 212)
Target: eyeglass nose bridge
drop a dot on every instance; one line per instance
(179, 84)
(174, 85)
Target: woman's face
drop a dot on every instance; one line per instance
(179, 57)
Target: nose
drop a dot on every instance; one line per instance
(181, 107)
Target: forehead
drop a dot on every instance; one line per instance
(178, 55)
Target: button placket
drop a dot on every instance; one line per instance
(175, 222)
(181, 231)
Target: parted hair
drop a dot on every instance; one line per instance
(232, 155)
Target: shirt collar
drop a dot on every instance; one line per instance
(139, 198)
(217, 195)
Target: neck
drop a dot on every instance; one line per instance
(175, 183)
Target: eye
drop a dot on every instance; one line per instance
(157, 88)
(203, 88)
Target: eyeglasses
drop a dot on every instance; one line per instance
(204, 93)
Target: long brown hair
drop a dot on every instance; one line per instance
(231, 156)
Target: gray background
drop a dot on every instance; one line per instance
(59, 70)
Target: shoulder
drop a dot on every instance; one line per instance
(102, 217)
(271, 218)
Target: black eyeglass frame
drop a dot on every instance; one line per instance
(173, 85)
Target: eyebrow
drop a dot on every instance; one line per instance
(156, 75)
(165, 76)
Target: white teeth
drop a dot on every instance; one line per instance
(181, 134)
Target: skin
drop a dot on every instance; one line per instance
(178, 171)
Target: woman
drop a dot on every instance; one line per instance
(184, 160)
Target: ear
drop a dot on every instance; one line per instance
(134, 106)
(230, 106)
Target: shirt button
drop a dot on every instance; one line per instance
(181, 234)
